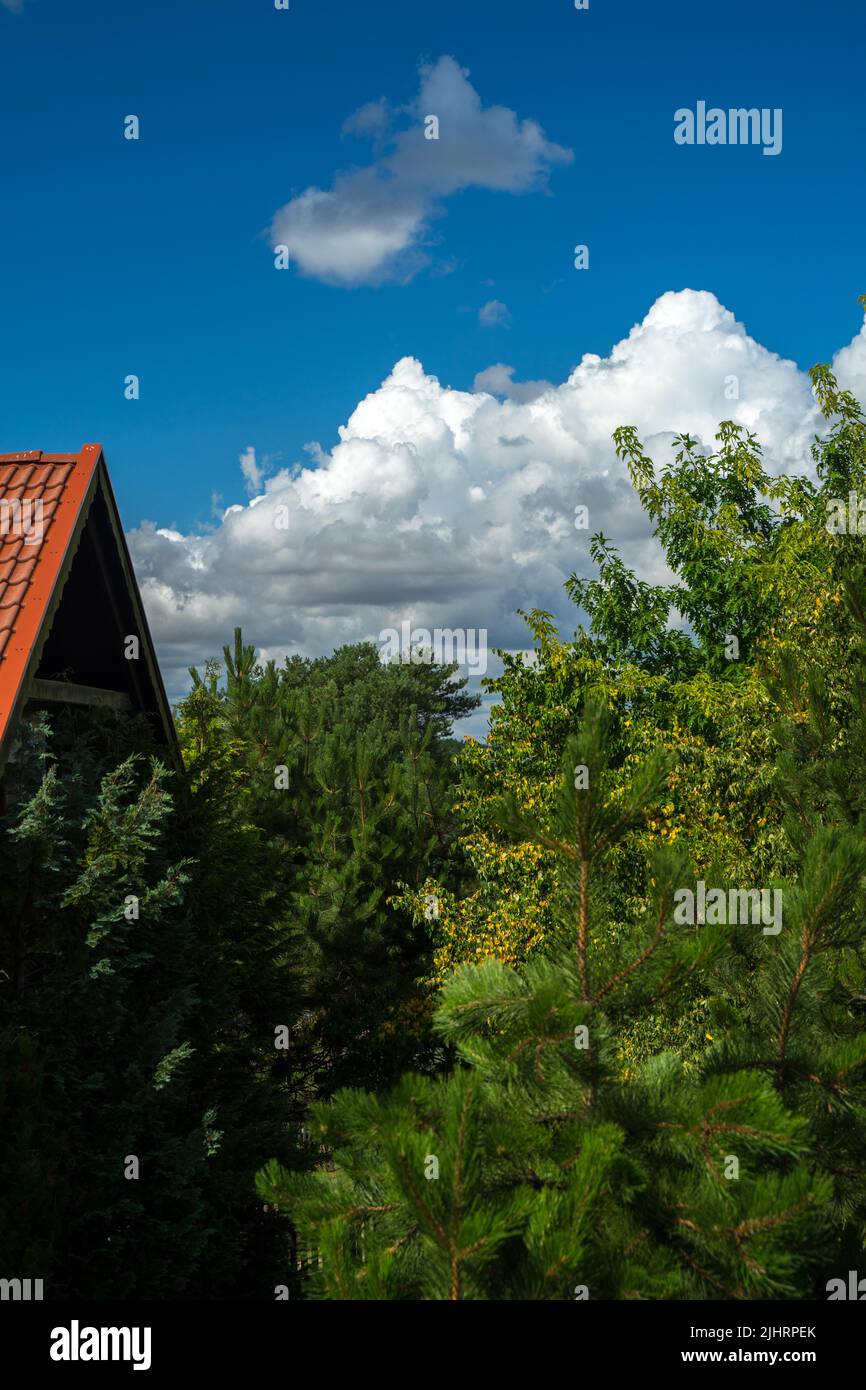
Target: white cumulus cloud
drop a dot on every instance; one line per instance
(453, 508)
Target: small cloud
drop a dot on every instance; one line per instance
(251, 470)
(363, 230)
(372, 119)
(494, 314)
(316, 452)
(372, 224)
(15, 6)
(498, 380)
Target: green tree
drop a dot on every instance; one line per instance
(343, 767)
(139, 987)
(98, 1000)
(557, 1168)
(703, 1136)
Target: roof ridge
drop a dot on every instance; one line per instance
(39, 455)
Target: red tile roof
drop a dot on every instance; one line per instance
(49, 503)
(33, 549)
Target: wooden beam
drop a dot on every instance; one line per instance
(68, 693)
(122, 627)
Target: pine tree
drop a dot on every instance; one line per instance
(97, 1000)
(546, 1166)
(342, 769)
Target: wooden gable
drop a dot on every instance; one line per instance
(72, 624)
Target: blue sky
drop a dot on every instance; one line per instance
(154, 256)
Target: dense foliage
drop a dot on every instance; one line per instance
(642, 1105)
(442, 997)
(163, 936)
